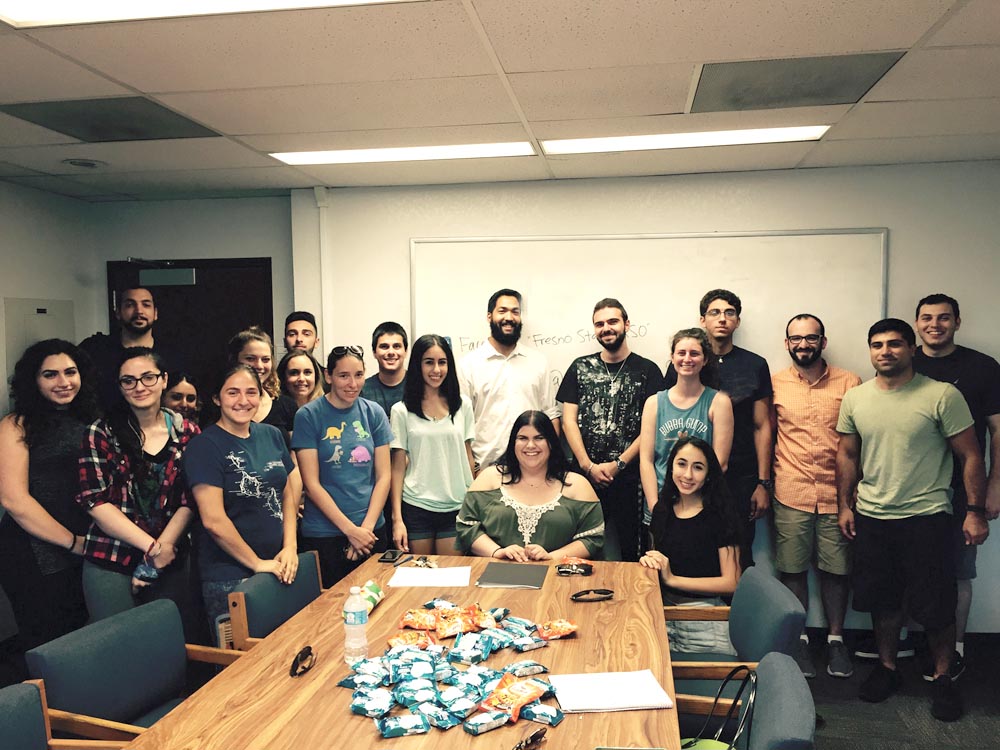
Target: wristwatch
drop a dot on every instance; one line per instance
(620, 464)
(767, 484)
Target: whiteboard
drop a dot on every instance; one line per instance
(837, 274)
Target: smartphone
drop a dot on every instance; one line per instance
(391, 555)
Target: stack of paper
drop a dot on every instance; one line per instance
(609, 691)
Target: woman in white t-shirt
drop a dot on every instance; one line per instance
(433, 428)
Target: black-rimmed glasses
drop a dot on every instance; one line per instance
(812, 338)
(302, 662)
(532, 741)
(148, 379)
(340, 351)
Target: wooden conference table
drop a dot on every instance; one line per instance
(255, 705)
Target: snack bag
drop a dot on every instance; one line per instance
(403, 725)
(419, 619)
(556, 629)
(451, 622)
(419, 638)
(511, 694)
(484, 722)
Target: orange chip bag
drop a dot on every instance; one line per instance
(556, 629)
(451, 622)
(419, 619)
(418, 638)
(511, 694)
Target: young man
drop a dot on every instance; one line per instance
(300, 331)
(602, 397)
(898, 432)
(745, 377)
(807, 400)
(977, 377)
(503, 378)
(136, 314)
(389, 345)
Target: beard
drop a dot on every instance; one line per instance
(805, 361)
(505, 339)
(137, 326)
(614, 344)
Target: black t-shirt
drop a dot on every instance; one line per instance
(691, 544)
(106, 352)
(609, 398)
(282, 416)
(746, 379)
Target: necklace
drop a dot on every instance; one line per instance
(614, 385)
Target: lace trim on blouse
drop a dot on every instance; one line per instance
(589, 532)
(528, 516)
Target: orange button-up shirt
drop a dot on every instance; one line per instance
(805, 456)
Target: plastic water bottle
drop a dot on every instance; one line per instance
(355, 623)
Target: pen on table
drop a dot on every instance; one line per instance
(402, 560)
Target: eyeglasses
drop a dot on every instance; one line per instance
(302, 662)
(716, 312)
(148, 379)
(575, 569)
(532, 741)
(812, 338)
(340, 351)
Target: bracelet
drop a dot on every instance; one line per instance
(590, 468)
(72, 544)
(978, 510)
(149, 552)
(494, 553)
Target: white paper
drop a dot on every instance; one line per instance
(609, 691)
(430, 577)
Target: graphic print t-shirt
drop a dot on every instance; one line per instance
(346, 440)
(252, 473)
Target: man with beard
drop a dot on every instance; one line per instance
(977, 377)
(807, 400)
(894, 469)
(602, 397)
(300, 331)
(136, 315)
(503, 378)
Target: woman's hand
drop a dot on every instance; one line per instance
(138, 583)
(513, 552)
(288, 564)
(537, 552)
(167, 554)
(268, 566)
(399, 537)
(361, 540)
(655, 560)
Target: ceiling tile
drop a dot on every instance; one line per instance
(563, 34)
(432, 173)
(13, 170)
(32, 73)
(378, 42)
(904, 150)
(16, 132)
(350, 106)
(953, 73)
(138, 156)
(680, 161)
(345, 139)
(63, 186)
(976, 23)
(203, 179)
(909, 119)
(604, 92)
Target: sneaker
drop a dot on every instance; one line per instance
(839, 660)
(881, 683)
(946, 702)
(804, 659)
(868, 649)
(956, 670)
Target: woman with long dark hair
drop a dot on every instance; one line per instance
(300, 377)
(132, 487)
(41, 536)
(433, 428)
(528, 505)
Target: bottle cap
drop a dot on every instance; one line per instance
(355, 589)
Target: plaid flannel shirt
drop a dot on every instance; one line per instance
(106, 476)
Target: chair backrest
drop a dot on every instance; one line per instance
(784, 716)
(262, 603)
(118, 668)
(765, 616)
(22, 718)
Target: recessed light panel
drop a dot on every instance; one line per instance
(664, 141)
(411, 153)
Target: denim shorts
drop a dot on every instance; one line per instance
(428, 524)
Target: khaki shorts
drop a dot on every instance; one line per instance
(800, 537)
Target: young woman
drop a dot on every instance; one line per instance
(253, 347)
(299, 375)
(41, 535)
(433, 428)
(132, 486)
(695, 536)
(528, 506)
(239, 472)
(342, 444)
(181, 396)
(690, 408)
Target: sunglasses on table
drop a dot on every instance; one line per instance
(532, 741)
(575, 569)
(302, 662)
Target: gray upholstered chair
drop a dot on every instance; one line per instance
(113, 678)
(262, 603)
(24, 721)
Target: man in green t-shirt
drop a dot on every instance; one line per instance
(898, 432)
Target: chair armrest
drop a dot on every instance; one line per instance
(696, 613)
(86, 744)
(212, 655)
(92, 727)
(706, 670)
(700, 705)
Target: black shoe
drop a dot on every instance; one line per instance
(956, 670)
(867, 648)
(881, 683)
(946, 702)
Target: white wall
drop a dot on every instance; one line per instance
(943, 227)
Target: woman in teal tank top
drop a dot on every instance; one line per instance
(689, 409)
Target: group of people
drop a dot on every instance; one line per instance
(119, 488)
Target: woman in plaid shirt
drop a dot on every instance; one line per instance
(132, 485)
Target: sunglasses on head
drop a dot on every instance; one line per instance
(340, 351)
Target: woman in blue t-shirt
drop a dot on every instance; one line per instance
(242, 478)
(342, 445)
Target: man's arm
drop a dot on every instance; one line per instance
(760, 501)
(848, 473)
(966, 448)
(993, 482)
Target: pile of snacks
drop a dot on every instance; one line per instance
(422, 676)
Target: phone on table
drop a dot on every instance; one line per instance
(391, 555)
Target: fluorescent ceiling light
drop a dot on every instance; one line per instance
(683, 140)
(411, 153)
(28, 13)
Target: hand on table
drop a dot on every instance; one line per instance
(537, 552)
(513, 552)
(399, 536)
